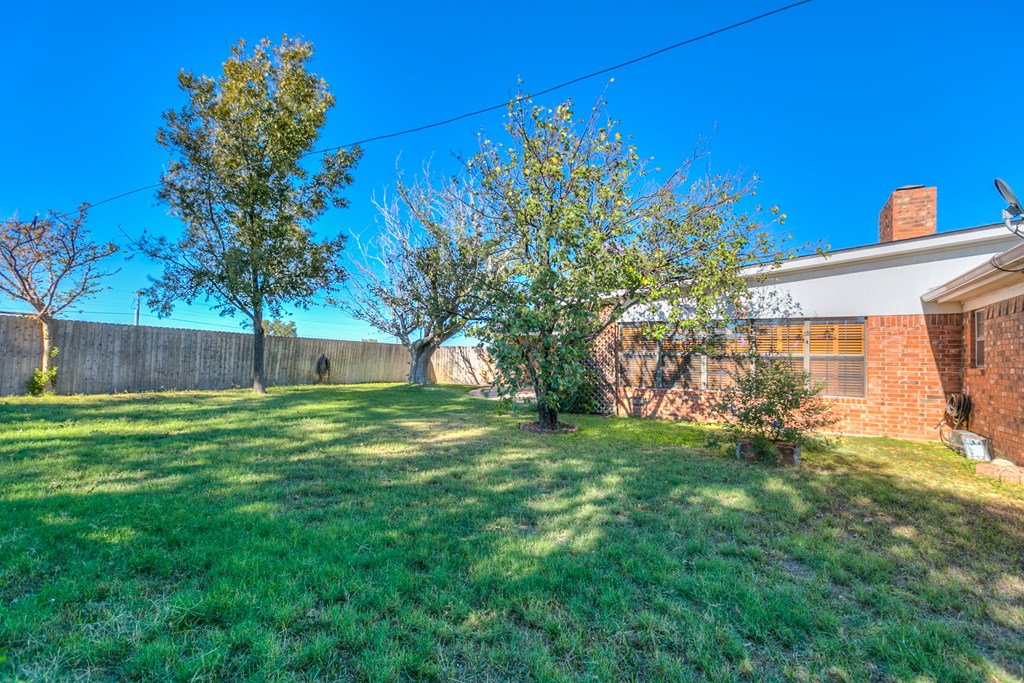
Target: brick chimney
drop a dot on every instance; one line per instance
(910, 212)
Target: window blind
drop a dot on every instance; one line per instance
(832, 351)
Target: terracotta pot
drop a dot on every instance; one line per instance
(789, 454)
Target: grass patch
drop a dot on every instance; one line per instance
(388, 533)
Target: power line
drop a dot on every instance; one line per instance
(566, 84)
(194, 322)
(135, 191)
(310, 320)
(514, 100)
(340, 324)
(81, 311)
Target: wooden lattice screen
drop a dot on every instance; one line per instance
(601, 363)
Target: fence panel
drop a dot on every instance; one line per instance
(461, 365)
(99, 358)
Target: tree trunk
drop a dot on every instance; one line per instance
(547, 418)
(420, 353)
(47, 358)
(44, 363)
(258, 346)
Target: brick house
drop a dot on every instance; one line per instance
(889, 329)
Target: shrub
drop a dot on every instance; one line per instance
(581, 399)
(771, 402)
(40, 381)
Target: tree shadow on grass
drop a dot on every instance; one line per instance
(447, 544)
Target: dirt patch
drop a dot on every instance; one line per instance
(797, 569)
(563, 428)
(494, 393)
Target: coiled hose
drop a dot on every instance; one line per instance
(958, 412)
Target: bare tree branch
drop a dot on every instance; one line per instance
(418, 276)
(50, 264)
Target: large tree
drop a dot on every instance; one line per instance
(50, 264)
(239, 181)
(419, 278)
(591, 231)
(280, 328)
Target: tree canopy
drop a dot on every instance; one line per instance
(589, 231)
(50, 264)
(280, 328)
(239, 180)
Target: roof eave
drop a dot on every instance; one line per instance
(988, 275)
(942, 241)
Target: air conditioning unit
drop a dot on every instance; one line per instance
(973, 446)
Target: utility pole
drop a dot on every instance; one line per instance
(138, 306)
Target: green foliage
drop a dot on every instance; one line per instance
(587, 234)
(41, 381)
(239, 181)
(771, 402)
(764, 448)
(581, 399)
(280, 328)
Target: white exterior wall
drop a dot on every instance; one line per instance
(884, 279)
(879, 279)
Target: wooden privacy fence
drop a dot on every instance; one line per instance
(101, 358)
(459, 365)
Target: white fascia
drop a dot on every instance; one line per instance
(993, 234)
(985, 279)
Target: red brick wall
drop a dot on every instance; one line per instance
(913, 362)
(910, 212)
(997, 390)
(661, 403)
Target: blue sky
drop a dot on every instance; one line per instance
(832, 104)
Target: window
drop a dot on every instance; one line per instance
(836, 358)
(832, 352)
(978, 343)
(638, 358)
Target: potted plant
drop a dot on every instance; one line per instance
(771, 409)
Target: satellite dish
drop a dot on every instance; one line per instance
(1014, 207)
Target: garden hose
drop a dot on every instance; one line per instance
(958, 411)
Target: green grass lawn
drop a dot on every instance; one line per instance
(383, 532)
